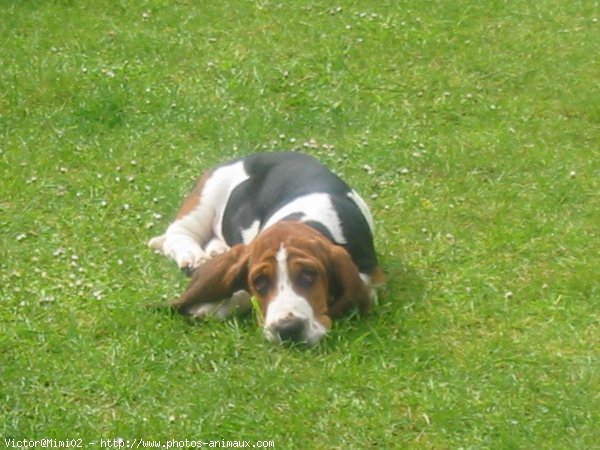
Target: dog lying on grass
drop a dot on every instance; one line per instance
(279, 227)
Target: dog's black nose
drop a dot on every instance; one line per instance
(291, 329)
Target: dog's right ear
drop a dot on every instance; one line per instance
(215, 280)
(348, 290)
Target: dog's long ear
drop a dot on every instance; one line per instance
(348, 290)
(215, 280)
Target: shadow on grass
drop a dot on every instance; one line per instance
(402, 293)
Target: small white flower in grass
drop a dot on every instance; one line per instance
(157, 216)
(130, 178)
(47, 299)
(572, 174)
(97, 294)
(145, 15)
(508, 295)
(126, 207)
(311, 144)
(104, 203)
(21, 237)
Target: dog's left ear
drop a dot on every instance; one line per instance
(215, 280)
(348, 290)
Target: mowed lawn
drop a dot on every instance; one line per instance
(472, 129)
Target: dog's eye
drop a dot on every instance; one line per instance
(261, 284)
(307, 278)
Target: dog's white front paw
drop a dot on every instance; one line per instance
(216, 247)
(189, 260)
(156, 243)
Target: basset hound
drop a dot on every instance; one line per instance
(280, 227)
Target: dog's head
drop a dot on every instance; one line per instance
(301, 281)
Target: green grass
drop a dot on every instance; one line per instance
(473, 130)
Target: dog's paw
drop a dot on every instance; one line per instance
(238, 304)
(216, 247)
(190, 260)
(156, 243)
(202, 311)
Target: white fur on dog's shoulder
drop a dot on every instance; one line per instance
(251, 232)
(313, 207)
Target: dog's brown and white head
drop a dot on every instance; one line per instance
(299, 277)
